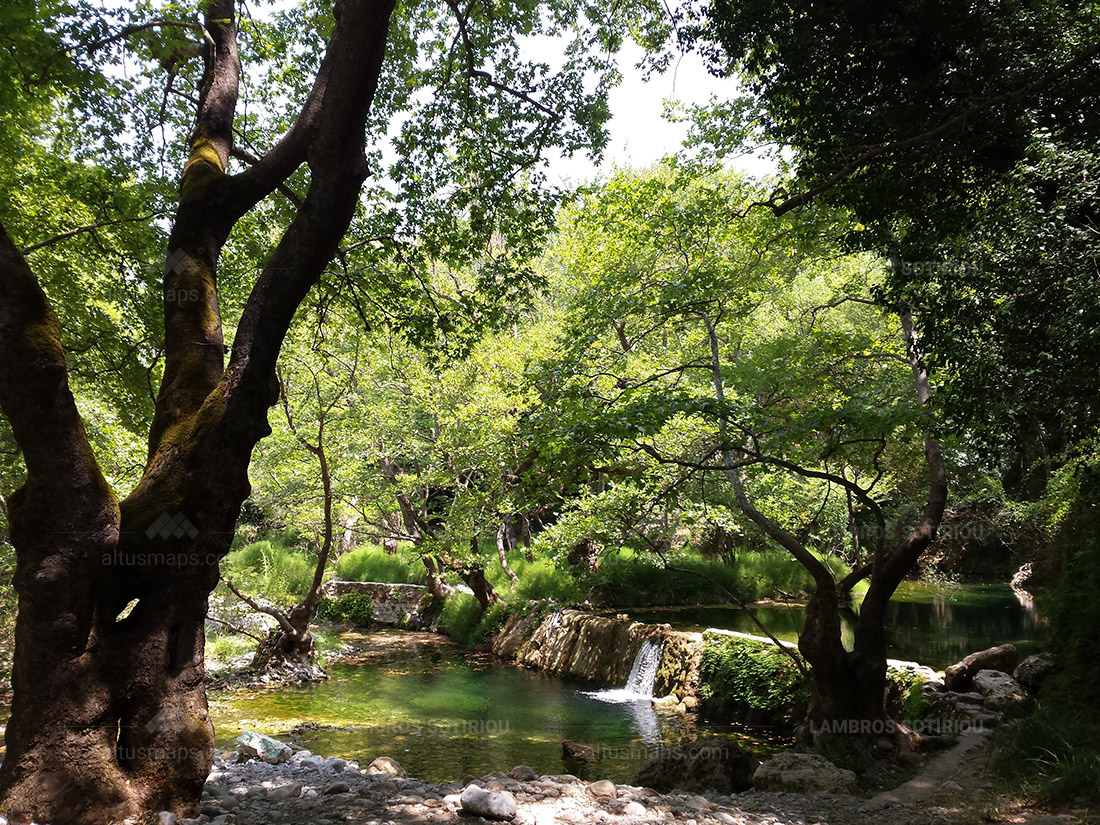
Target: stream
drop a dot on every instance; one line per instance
(443, 713)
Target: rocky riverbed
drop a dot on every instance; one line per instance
(329, 791)
(311, 789)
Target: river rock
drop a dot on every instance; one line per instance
(603, 789)
(959, 676)
(1002, 693)
(163, 818)
(291, 791)
(384, 764)
(489, 804)
(252, 745)
(523, 773)
(577, 751)
(1033, 670)
(803, 773)
(718, 764)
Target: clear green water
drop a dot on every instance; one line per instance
(936, 626)
(443, 714)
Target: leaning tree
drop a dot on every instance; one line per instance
(109, 715)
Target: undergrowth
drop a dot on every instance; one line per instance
(751, 682)
(373, 564)
(271, 570)
(1054, 755)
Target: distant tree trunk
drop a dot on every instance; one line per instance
(584, 555)
(347, 538)
(502, 550)
(437, 587)
(109, 717)
(393, 523)
(483, 589)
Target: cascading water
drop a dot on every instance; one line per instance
(637, 695)
(644, 671)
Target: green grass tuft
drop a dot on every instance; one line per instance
(271, 571)
(1053, 754)
(372, 564)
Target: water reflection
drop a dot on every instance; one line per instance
(935, 626)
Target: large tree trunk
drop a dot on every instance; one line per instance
(109, 717)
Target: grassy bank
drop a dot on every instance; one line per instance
(279, 571)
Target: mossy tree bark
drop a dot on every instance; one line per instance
(109, 716)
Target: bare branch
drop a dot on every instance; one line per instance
(64, 236)
(274, 613)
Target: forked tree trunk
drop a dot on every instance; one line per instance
(502, 552)
(848, 688)
(109, 717)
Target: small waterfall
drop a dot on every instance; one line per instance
(644, 671)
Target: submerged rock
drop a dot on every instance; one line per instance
(707, 764)
(577, 751)
(803, 773)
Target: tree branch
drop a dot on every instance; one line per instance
(64, 236)
(274, 613)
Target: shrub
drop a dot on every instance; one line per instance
(905, 694)
(625, 579)
(538, 579)
(463, 620)
(355, 608)
(1075, 610)
(751, 682)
